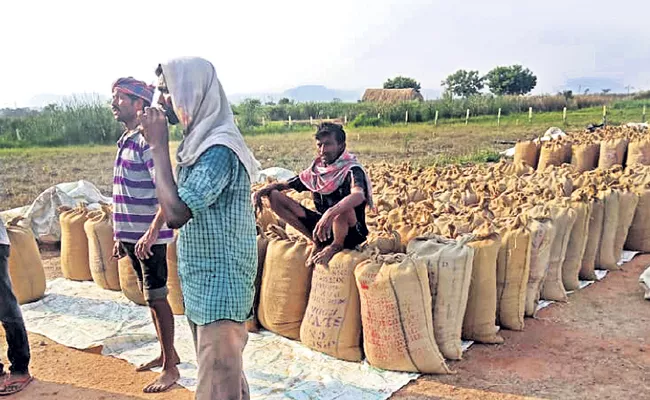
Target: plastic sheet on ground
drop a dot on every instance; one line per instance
(81, 315)
(42, 216)
(277, 173)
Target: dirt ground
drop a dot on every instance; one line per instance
(597, 346)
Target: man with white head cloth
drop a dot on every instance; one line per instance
(211, 205)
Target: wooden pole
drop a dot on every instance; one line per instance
(499, 117)
(530, 115)
(564, 115)
(467, 117)
(435, 120)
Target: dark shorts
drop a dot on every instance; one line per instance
(152, 272)
(355, 236)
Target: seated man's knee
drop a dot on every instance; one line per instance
(156, 297)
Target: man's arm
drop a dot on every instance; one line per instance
(266, 191)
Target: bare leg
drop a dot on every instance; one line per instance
(340, 227)
(164, 321)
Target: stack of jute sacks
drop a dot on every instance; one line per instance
(457, 253)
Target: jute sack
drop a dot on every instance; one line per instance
(386, 243)
(129, 281)
(605, 257)
(628, 201)
(479, 322)
(638, 237)
(175, 295)
(513, 268)
(563, 219)
(332, 321)
(612, 152)
(553, 152)
(253, 324)
(638, 152)
(75, 263)
(584, 156)
(542, 232)
(25, 265)
(103, 266)
(587, 269)
(528, 152)
(577, 243)
(396, 315)
(285, 283)
(449, 263)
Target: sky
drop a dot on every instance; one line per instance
(67, 47)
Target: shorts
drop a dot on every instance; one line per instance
(355, 237)
(152, 272)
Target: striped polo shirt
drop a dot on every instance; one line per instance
(134, 190)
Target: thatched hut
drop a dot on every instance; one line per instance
(391, 95)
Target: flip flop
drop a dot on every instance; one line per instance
(16, 386)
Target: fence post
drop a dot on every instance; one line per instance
(263, 121)
(467, 117)
(435, 120)
(605, 115)
(530, 115)
(378, 116)
(236, 121)
(643, 117)
(311, 120)
(499, 117)
(290, 120)
(406, 118)
(564, 116)
(345, 119)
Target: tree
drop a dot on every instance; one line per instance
(249, 111)
(512, 80)
(605, 91)
(284, 101)
(402, 82)
(464, 83)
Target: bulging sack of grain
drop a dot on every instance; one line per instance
(129, 281)
(332, 321)
(386, 243)
(584, 156)
(286, 283)
(612, 152)
(75, 260)
(605, 257)
(25, 265)
(563, 218)
(577, 242)
(587, 269)
(103, 267)
(396, 315)
(638, 152)
(542, 232)
(513, 268)
(553, 152)
(479, 322)
(628, 201)
(449, 263)
(528, 152)
(266, 217)
(638, 237)
(253, 325)
(175, 295)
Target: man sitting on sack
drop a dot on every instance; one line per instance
(341, 190)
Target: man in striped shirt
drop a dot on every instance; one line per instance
(139, 227)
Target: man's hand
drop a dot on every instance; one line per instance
(323, 230)
(143, 247)
(118, 251)
(154, 126)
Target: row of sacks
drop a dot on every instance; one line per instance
(403, 311)
(87, 255)
(587, 151)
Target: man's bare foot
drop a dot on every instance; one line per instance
(164, 381)
(324, 256)
(157, 362)
(315, 249)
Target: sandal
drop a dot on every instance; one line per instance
(15, 386)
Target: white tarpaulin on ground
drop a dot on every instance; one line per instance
(42, 215)
(81, 315)
(276, 173)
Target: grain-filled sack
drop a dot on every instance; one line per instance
(285, 283)
(513, 268)
(386, 243)
(527, 151)
(628, 201)
(129, 281)
(449, 263)
(605, 257)
(332, 321)
(396, 315)
(638, 151)
(103, 266)
(75, 264)
(587, 269)
(563, 218)
(25, 265)
(612, 152)
(479, 322)
(253, 324)
(175, 295)
(542, 232)
(577, 242)
(638, 237)
(554, 152)
(584, 156)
